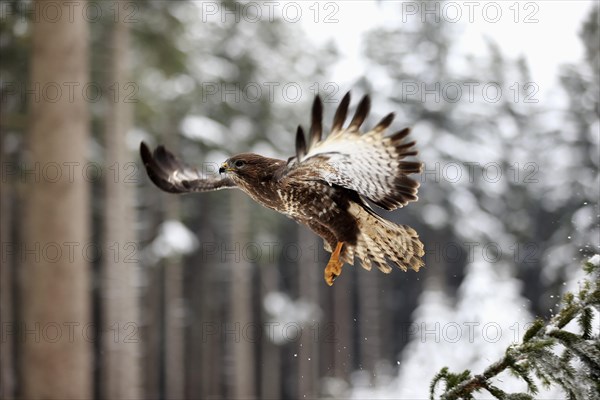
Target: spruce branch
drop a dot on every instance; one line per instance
(576, 370)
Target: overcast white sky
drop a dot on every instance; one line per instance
(546, 32)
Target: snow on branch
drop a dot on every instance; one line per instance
(563, 351)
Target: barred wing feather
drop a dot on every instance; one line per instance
(371, 164)
(173, 176)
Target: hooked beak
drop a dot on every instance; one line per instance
(224, 168)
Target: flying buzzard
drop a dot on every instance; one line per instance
(324, 186)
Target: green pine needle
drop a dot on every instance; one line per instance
(533, 330)
(585, 322)
(576, 369)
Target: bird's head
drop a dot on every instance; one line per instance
(249, 167)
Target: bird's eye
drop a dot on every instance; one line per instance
(239, 163)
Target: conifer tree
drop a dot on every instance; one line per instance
(563, 351)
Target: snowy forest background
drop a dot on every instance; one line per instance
(112, 289)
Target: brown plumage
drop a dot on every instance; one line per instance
(324, 187)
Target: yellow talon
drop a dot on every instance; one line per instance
(334, 266)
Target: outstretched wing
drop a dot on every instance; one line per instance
(371, 164)
(171, 175)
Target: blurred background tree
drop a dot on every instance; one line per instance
(214, 296)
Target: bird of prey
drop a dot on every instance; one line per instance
(324, 186)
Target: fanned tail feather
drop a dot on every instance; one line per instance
(382, 241)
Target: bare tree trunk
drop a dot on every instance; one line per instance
(203, 351)
(271, 374)
(369, 322)
(7, 365)
(120, 340)
(151, 332)
(308, 287)
(341, 334)
(241, 303)
(57, 353)
(174, 306)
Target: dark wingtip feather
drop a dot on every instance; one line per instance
(300, 143)
(361, 113)
(411, 167)
(409, 153)
(405, 191)
(159, 165)
(145, 153)
(385, 122)
(340, 113)
(153, 166)
(165, 159)
(405, 146)
(400, 135)
(316, 128)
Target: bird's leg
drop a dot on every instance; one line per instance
(334, 266)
